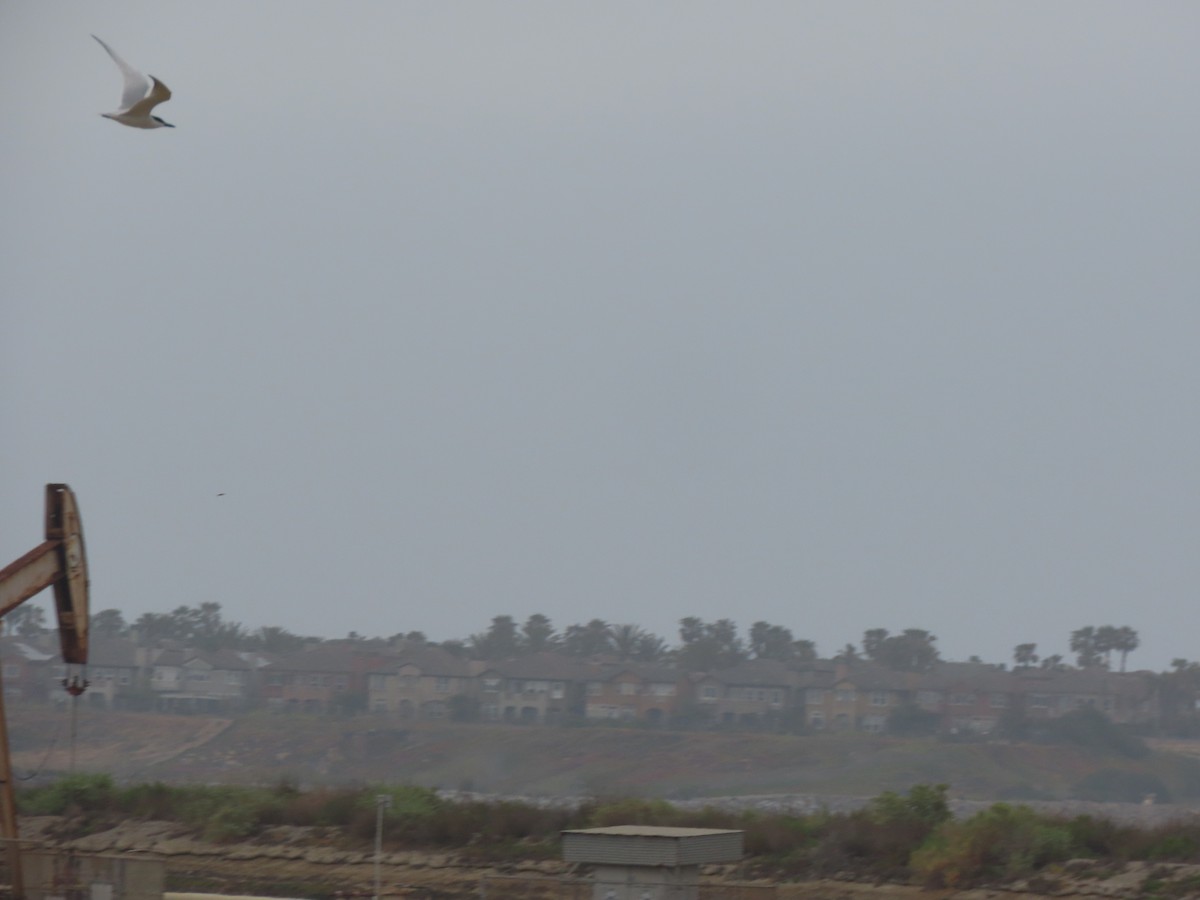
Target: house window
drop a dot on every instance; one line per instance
(874, 724)
(879, 698)
(341, 682)
(558, 690)
(962, 699)
(844, 695)
(999, 701)
(929, 698)
(1039, 701)
(314, 680)
(776, 698)
(124, 678)
(627, 688)
(442, 685)
(274, 679)
(708, 692)
(233, 677)
(594, 688)
(376, 682)
(662, 689)
(814, 696)
(491, 685)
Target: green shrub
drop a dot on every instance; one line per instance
(1001, 843)
(910, 720)
(72, 793)
(149, 801)
(231, 822)
(925, 806)
(1093, 730)
(1174, 848)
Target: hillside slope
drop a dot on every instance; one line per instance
(555, 761)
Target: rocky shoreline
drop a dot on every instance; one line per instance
(306, 862)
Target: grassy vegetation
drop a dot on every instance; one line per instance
(900, 837)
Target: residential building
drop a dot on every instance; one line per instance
(331, 677)
(424, 681)
(198, 681)
(543, 688)
(634, 692)
(754, 694)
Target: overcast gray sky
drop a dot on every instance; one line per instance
(836, 315)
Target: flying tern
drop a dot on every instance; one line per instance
(140, 96)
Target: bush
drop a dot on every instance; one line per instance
(1093, 730)
(924, 807)
(71, 793)
(1001, 843)
(909, 720)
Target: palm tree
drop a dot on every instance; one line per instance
(625, 639)
(591, 639)
(1106, 643)
(1125, 642)
(1025, 655)
(1083, 644)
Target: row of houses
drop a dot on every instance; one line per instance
(424, 681)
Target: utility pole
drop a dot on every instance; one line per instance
(382, 802)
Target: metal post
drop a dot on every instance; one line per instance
(382, 802)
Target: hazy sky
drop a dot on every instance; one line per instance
(836, 315)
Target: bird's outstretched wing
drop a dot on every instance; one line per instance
(158, 94)
(136, 84)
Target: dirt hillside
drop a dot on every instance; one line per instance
(546, 761)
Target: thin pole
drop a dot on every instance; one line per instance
(74, 707)
(382, 802)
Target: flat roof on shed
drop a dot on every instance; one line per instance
(651, 845)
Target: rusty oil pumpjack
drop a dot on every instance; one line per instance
(59, 562)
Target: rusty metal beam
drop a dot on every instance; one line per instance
(59, 562)
(71, 590)
(35, 571)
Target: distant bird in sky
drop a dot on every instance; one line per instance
(140, 96)
(222, 494)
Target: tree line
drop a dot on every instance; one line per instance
(701, 646)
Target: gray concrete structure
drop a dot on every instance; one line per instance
(60, 875)
(643, 862)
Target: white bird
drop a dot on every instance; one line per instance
(140, 96)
